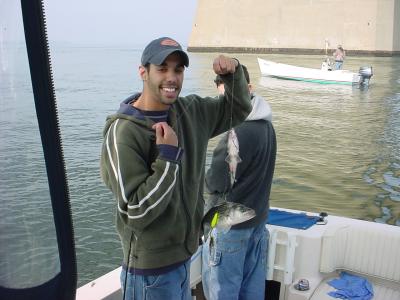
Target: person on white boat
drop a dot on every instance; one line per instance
(339, 56)
(234, 261)
(153, 159)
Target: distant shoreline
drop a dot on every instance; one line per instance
(377, 53)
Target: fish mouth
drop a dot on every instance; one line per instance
(245, 216)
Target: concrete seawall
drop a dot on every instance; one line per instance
(363, 27)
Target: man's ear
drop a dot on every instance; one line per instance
(143, 73)
(250, 87)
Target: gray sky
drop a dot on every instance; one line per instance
(131, 22)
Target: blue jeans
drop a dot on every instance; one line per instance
(172, 285)
(234, 264)
(338, 65)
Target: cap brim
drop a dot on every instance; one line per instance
(161, 56)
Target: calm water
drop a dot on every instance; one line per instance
(338, 147)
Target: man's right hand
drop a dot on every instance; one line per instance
(224, 65)
(165, 134)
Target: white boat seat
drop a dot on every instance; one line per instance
(366, 251)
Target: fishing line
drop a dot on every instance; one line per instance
(134, 263)
(227, 189)
(215, 218)
(127, 266)
(233, 89)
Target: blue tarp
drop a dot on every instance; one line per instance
(289, 219)
(350, 286)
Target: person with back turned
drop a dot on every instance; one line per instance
(234, 261)
(153, 159)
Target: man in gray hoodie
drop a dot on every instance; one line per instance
(234, 262)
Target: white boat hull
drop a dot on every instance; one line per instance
(284, 71)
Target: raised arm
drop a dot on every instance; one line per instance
(233, 107)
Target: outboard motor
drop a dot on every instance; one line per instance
(365, 75)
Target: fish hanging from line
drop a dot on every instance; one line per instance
(233, 157)
(220, 213)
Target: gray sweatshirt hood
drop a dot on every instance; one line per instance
(261, 109)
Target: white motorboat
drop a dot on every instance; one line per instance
(324, 75)
(313, 255)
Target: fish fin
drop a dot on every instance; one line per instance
(233, 159)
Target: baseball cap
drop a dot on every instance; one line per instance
(158, 50)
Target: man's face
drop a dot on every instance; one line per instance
(164, 82)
